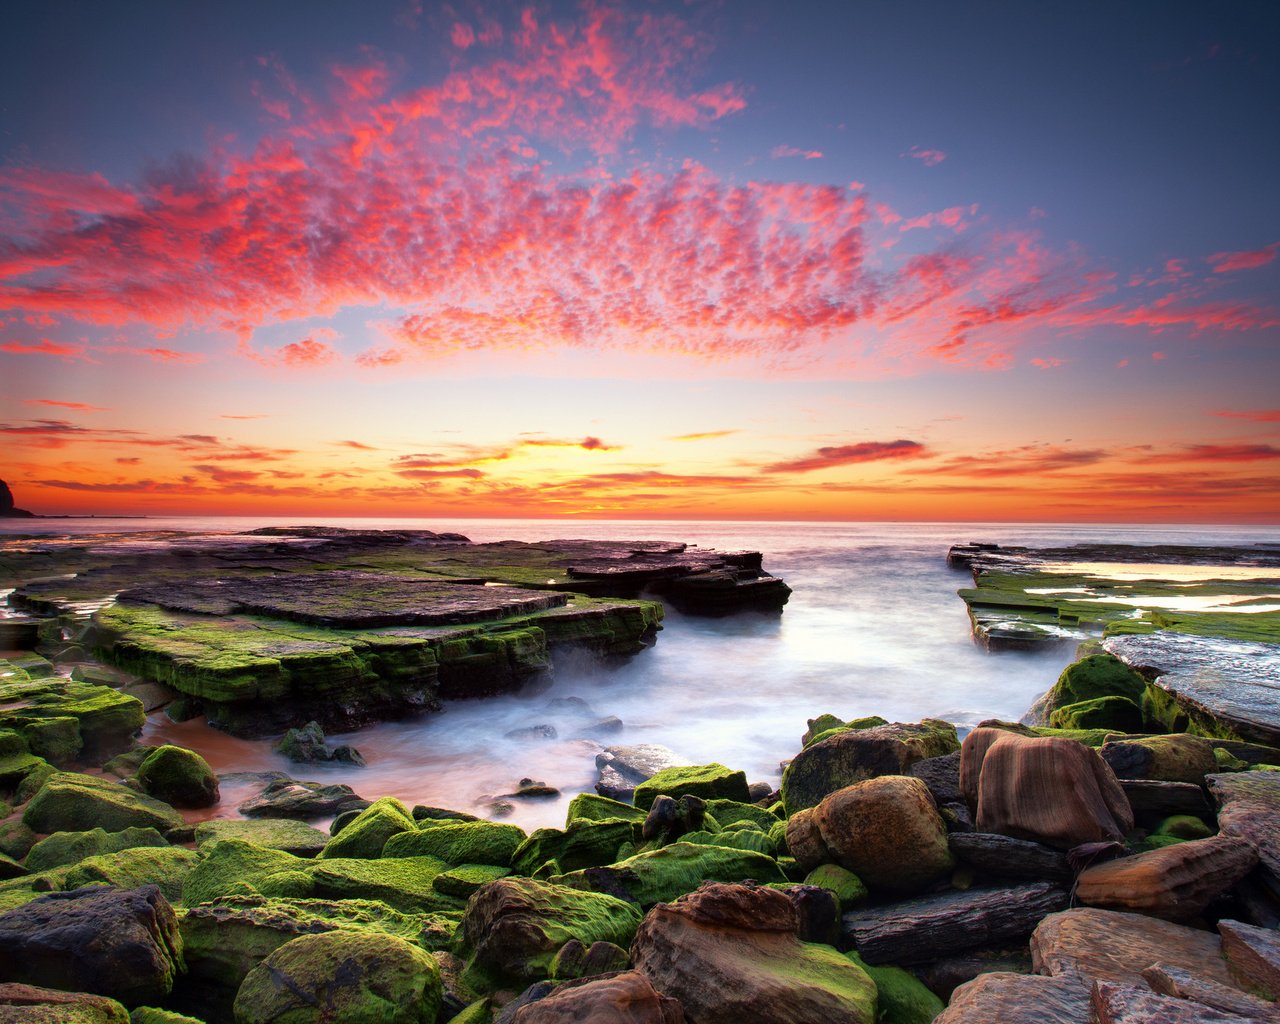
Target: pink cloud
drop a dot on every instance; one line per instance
(462, 36)
(929, 157)
(782, 152)
(1257, 415)
(44, 347)
(1048, 363)
(77, 406)
(1225, 262)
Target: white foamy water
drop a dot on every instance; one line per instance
(874, 626)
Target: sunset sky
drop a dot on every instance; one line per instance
(739, 260)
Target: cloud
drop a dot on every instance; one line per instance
(849, 454)
(929, 157)
(706, 435)
(359, 446)
(1257, 415)
(250, 416)
(1025, 461)
(1225, 262)
(296, 355)
(783, 152)
(1048, 362)
(77, 406)
(44, 347)
(1218, 453)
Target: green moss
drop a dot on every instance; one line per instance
(368, 834)
(166, 867)
(64, 848)
(154, 1015)
(726, 812)
(708, 781)
(403, 883)
(56, 739)
(842, 883)
(590, 807)
(1183, 826)
(294, 837)
(461, 882)
(464, 842)
(1227, 761)
(582, 844)
(179, 777)
(69, 802)
(734, 839)
(230, 866)
(659, 876)
(1099, 675)
(15, 839)
(901, 998)
(1116, 713)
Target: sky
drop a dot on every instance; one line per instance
(680, 260)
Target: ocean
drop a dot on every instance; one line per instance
(873, 627)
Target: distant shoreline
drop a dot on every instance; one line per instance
(34, 516)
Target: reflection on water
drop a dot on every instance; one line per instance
(874, 626)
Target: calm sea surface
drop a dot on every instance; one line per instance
(874, 626)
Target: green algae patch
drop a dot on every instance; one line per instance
(467, 842)
(901, 997)
(356, 977)
(584, 843)
(591, 807)
(165, 867)
(294, 837)
(68, 801)
(370, 830)
(659, 876)
(64, 848)
(709, 782)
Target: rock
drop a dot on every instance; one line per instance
(514, 926)
(1168, 980)
(669, 819)
(854, 756)
(1006, 857)
(461, 882)
(15, 839)
(1018, 999)
(288, 798)
(627, 997)
(463, 842)
(1048, 790)
(928, 927)
(402, 883)
(154, 1015)
(901, 998)
(574, 960)
(233, 866)
(843, 884)
(726, 812)
(1253, 956)
(342, 975)
(422, 813)
(1183, 826)
(105, 720)
(1175, 883)
(118, 943)
(804, 840)
(1156, 800)
(69, 801)
(534, 732)
(273, 833)
(366, 836)
(71, 847)
(623, 768)
(306, 745)
(531, 789)
(708, 781)
(1249, 807)
(662, 875)
(582, 844)
(610, 725)
(941, 775)
(29, 1004)
(10, 868)
(943, 976)
(1105, 945)
(1097, 677)
(165, 867)
(1113, 713)
(1217, 685)
(730, 952)
(179, 777)
(1137, 1004)
(887, 831)
(818, 912)
(1178, 757)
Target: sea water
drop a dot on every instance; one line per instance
(873, 627)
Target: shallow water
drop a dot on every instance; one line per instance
(874, 626)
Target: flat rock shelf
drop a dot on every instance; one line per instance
(272, 628)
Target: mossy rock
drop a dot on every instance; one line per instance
(179, 777)
(841, 882)
(403, 883)
(16, 839)
(1118, 713)
(819, 726)
(1183, 826)
(659, 876)
(285, 834)
(1228, 762)
(1098, 675)
(154, 1015)
(901, 997)
(62, 848)
(708, 781)
(479, 1012)
(461, 882)
(726, 812)
(460, 842)
(33, 780)
(734, 839)
(591, 807)
(354, 977)
(366, 836)
(165, 867)
(583, 844)
(224, 939)
(69, 802)
(56, 739)
(233, 866)
(16, 766)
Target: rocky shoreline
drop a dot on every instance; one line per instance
(1111, 858)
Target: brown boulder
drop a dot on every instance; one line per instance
(1249, 806)
(1046, 789)
(1135, 1004)
(1018, 999)
(1177, 757)
(1106, 945)
(729, 953)
(887, 831)
(626, 998)
(1174, 882)
(1179, 982)
(804, 840)
(1253, 956)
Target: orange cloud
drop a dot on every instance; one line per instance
(843, 455)
(44, 347)
(77, 406)
(706, 435)
(1257, 415)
